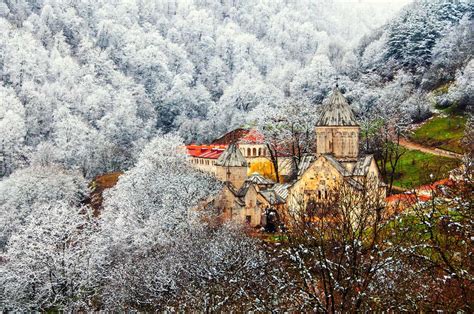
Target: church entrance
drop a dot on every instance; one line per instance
(272, 220)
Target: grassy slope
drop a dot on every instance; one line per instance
(415, 167)
(441, 132)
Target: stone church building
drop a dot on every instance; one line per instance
(260, 202)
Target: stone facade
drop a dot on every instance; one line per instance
(204, 164)
(340, 141)
(252, 202)
(234, 175)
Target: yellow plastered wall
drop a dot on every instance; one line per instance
(262, 166)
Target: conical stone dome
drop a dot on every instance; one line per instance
(231, 157)
(337, 111)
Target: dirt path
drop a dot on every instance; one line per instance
(435, 151)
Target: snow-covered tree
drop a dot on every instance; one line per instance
(47, 264)
(31, 187)
(13, 130)
(153, 200)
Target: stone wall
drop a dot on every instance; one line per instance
(235, 175)
(342, 142)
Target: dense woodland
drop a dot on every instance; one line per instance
(89, 87)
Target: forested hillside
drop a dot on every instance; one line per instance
(90, 82)
(430, 41)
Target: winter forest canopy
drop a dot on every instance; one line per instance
(90, 87)
(92, 81)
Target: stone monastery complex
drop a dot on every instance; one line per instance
(252, 198)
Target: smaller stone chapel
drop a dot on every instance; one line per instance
(259, 202)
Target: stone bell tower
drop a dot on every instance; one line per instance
(231, 166)
(337, 131)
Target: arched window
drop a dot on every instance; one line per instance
(248, 152)
(260, 152)
(326, 194)
(254, 151)
(319, 194)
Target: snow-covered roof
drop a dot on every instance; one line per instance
(281, 190)
(337, 112)
(305, 162)
(362, 165)
(259, 179)
(272, 197)
(231, 157)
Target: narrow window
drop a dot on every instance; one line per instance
(319, 194)
(255, 152)
(248, 219)
(248, 152)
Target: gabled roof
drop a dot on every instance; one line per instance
(231, 157)
(337, 112)
(257, 178)
(231, 188)
(340, 168)
(272, 197)
(243, 189)
(281, 190)
(305, 162)
(354, 183)
(361, 168)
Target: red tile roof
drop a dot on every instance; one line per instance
(252, 137)
(436, 185)
(422, 194)
(408, 199)
(247, 136)
(205, 151)
(217, 147)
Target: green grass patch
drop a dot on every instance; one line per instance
(414, 169)
(442, 132)
(276, 238)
